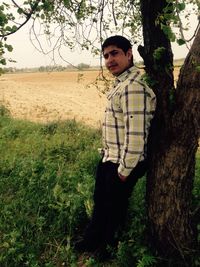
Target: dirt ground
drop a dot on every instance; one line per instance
(46, 97)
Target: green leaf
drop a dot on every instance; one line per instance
(181, 6)
(198, 68)
(8, 28)
(14, 28)
(157, 54)
(168, 31)
(180, 41)
(19, 11)
(66, 3)
(3, 61)
(9, 47)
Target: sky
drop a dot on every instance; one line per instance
(26, 54)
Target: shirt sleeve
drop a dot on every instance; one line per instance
(133, 106)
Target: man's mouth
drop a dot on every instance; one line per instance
(112, 66)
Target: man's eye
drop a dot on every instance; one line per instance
(114, 53)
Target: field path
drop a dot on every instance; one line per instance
(46, 97)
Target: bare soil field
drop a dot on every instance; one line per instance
(47, 97)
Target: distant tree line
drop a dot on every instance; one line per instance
(80, 67)
(58, 68)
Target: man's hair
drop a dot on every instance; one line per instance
(119, 41)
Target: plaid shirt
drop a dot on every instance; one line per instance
(129, 111)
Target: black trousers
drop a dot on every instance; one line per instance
(110, 203)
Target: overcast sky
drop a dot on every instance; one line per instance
(27, 56)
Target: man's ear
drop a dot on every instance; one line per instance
(129, 54)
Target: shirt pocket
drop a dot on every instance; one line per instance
(115, 106)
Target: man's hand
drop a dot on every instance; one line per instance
(122, 177)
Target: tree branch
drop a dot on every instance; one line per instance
(25, 13)
(28, 16)
(113, 12)
(195, 32)
(181, 26)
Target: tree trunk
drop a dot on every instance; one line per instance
(173, 140)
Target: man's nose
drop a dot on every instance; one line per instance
(109, 57)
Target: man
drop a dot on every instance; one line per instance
(129, 111)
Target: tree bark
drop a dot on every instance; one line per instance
(173, 140)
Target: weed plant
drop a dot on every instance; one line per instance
(46, 185)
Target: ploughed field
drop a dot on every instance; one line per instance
(46, 97)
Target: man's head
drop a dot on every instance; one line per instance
(117, 52)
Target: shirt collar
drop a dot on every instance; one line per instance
(129, 72)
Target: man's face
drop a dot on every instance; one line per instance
(116, 60)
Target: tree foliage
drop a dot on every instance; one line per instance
(84, 24)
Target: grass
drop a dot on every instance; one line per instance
(46, 180)
(46, 184)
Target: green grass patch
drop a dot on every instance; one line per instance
(46, 186)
